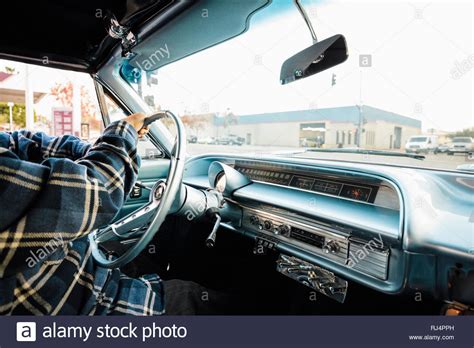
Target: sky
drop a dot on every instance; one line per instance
(416, 49)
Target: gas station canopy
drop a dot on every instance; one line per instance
(17, 96)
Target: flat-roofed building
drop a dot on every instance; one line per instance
(329, 127)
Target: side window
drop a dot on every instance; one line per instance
(44, 99)
(145, 148)
(115, 112)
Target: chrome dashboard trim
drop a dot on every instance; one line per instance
(374, 263)
(367, 265)
(316, 227)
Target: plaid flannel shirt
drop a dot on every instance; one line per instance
(53, 192)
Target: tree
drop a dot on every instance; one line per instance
(18, 113)
(10, 70)
(467, 132)
(63, 93)
(197, 122)
(89, 110)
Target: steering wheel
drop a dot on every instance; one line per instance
(147, 220)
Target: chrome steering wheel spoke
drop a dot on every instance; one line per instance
(135, 223)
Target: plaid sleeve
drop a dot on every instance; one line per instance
(61, 199)
(36, 147)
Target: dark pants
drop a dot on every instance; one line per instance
(187, 298)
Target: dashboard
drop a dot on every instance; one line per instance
(309, 182)
(364, 189)
(393, 229)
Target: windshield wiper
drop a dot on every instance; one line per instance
(369, 152)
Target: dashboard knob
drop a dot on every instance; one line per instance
(331, 246)
(267, 224)
(254, 220)
(284, 230)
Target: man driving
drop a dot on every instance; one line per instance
(53, 192)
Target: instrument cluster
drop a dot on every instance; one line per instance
(311, 182)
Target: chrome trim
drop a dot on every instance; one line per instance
(307, 20)
(374, 264)
(315, 277)
(369, 264)
(339, 257)
(99, 90)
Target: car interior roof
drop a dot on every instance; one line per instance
(39, 34)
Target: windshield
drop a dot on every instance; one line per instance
(461, 140)
(387, 93)
(418, 140)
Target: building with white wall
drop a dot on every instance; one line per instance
(329, 127)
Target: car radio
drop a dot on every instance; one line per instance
(305, 235)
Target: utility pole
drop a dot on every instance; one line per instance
(76, 109)
(29, 103)
(361, 117)
(10, 106)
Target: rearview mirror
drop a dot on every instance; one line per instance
(314, 59)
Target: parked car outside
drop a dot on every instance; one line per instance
(207, 140)
(192, 139)
(461, 145)
(443, 148)
(421, 144)
(231, 139)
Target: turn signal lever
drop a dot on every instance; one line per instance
(213, 215)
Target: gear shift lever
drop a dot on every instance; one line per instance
(213, 214)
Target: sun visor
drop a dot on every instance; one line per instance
(203, 25)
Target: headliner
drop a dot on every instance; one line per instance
(71, 34)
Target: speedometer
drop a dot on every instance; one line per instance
(220, 182)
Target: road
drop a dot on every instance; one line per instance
(439, 161)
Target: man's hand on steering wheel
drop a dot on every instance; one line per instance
(137, 121)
